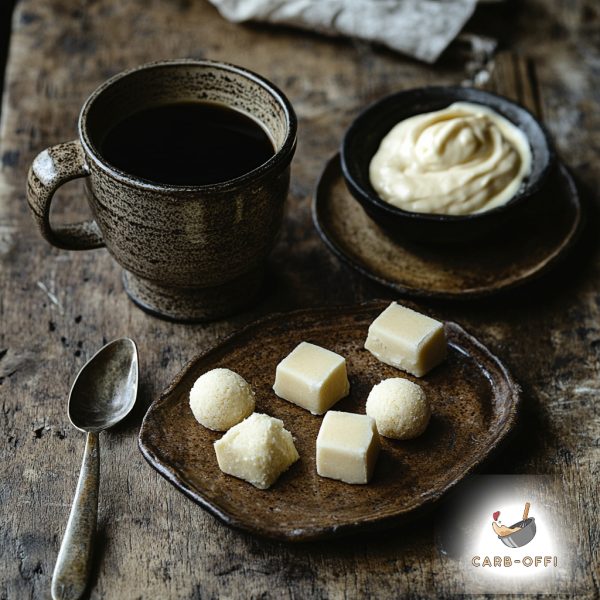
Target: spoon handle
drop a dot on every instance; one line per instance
(74, 558)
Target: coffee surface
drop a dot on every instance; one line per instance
(191, 143)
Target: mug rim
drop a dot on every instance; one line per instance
(281, 157)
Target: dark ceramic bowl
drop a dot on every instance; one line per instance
(366, 132)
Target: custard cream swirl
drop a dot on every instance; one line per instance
(461, 160)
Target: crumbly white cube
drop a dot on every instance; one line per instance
(312, 377)
(220, 399)
(400, 408)
(347, 447)
(407, 340)
(258, 450)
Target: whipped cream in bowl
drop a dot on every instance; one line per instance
(445, 163)
(459, 160)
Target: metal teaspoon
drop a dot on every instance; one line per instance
(102, 395)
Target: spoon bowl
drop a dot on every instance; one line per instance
(104, 391)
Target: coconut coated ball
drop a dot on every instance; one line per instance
(221, 399)
(400, 408)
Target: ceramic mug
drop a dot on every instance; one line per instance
(187, 252)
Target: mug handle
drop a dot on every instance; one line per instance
(50, 169)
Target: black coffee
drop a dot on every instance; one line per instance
(188, 143)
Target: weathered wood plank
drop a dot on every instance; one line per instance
(56, 308)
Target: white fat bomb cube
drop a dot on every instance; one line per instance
(407, 340)
(312, 377)
(347, 447)
(257, 450)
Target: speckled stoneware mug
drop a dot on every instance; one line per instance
(188, 252)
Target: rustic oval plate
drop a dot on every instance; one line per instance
(474, 402)
(514, 256)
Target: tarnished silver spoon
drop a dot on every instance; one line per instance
(103, 394)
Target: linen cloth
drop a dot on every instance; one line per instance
(418, 28)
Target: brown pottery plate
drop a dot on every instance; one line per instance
(515, 255)
(474, 402)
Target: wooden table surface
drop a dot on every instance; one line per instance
(58, 307)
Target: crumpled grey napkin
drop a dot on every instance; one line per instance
(419, 28)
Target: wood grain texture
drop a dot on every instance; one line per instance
(57, 308)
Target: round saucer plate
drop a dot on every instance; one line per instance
(515, 255)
